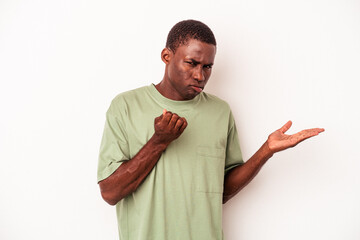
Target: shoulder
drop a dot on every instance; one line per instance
(121, 102)
(130, 95)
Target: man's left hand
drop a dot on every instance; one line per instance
(278, 140)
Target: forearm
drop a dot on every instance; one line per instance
(278, 141)
(240, 176)
(127, 178)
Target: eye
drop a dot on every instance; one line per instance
(208, 66)
(191, 63)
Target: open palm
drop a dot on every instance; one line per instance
(278, 140)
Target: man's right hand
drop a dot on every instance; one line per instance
(168, 127)
(127, 178)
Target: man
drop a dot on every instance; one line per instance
(170, 154)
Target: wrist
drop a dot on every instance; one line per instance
(267, 149)
(157, 142)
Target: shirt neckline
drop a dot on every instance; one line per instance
(173, 104)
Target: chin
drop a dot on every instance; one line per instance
(190, 96)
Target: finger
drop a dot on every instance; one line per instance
(184, 125)
(179, 123)
(307, 133)
(311, 131)
(157, 119)
(167, 117)
(164, 111)
(286, 127)
(173, 120)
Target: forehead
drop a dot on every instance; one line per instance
(197, 50)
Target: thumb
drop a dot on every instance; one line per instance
(286, 127)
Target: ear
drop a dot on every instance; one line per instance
(166, 55)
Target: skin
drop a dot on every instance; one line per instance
(190, 66)
(127, 178)
(277, 141)
(187, 71)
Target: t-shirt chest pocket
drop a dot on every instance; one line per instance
(210, 165)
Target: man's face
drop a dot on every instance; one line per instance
(189, 69)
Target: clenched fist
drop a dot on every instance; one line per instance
(168, 127)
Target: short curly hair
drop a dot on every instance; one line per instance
(185, 30)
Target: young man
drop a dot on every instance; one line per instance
(170, 154)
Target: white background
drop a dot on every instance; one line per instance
(61, 63)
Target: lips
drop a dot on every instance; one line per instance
(197, 88)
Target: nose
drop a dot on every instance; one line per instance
(199, 74)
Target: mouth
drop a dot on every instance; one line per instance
(197, 88)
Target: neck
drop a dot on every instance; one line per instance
(167, 91)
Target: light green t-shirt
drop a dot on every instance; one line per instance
(181, 198)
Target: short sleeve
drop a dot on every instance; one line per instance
(233, 152)
(114, 147)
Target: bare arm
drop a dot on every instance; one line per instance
(127, 178)
(240, 176)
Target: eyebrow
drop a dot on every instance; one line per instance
(196, 62)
